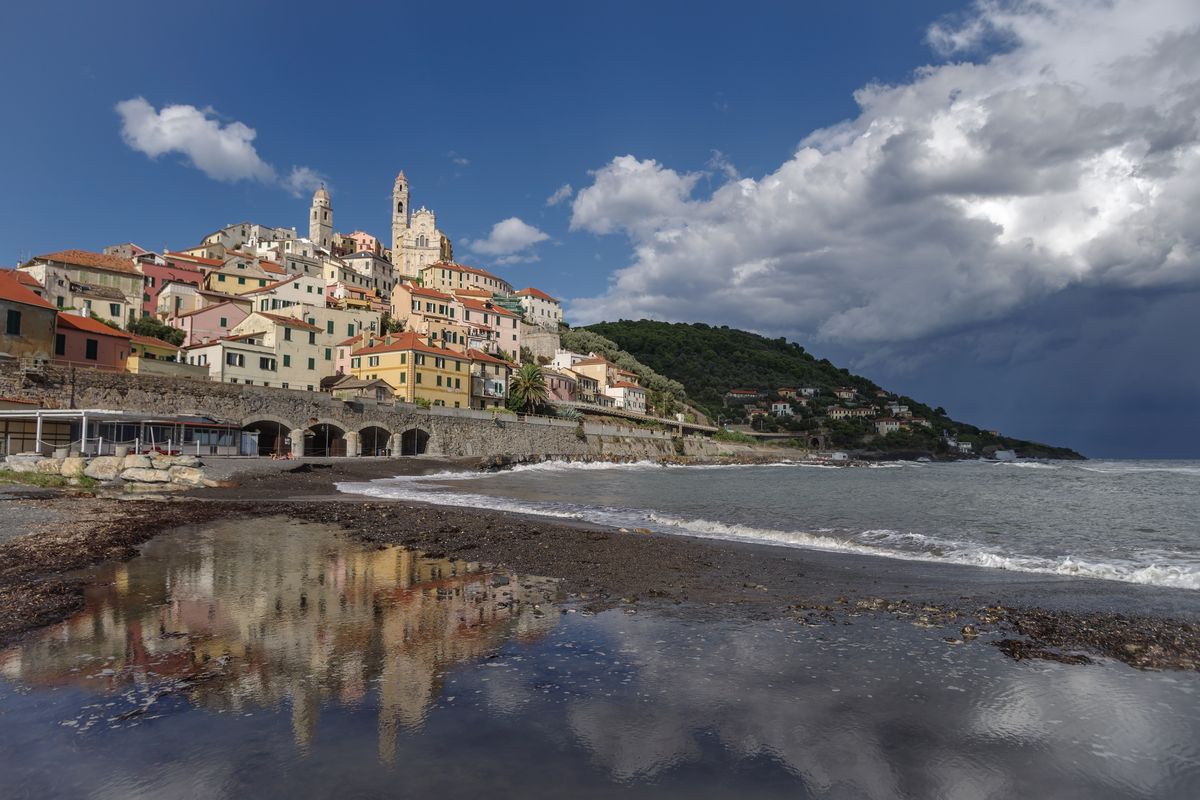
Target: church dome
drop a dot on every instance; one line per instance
(321, 194)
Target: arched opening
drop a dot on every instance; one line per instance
(265, 438)
(373, 441)
(413, 442)
(324, 440)
(815, 442)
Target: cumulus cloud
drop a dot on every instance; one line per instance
(223, 152)
(303, 180)
(1067, 154)
(510, 241)
(562, 193)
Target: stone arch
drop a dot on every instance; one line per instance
(374, 439)
(414, 441)
(265, 435)
(325, 438)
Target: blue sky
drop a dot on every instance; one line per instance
(941, 276)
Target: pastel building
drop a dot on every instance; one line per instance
(415, 369)
(28, 320)
(93, 283)
(540, 308)
(85, 342)
(209, 323)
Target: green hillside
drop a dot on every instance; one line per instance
(707, 361)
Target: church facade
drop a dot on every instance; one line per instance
(416, 240)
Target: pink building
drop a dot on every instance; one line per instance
(85, 342)
(560, 386)
(157, 276)
(209, 323)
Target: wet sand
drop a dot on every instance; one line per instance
(1063, 619)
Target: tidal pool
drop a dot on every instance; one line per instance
(279, 659)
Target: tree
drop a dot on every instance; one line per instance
(387, 324)
(149, 326)
(528, 387)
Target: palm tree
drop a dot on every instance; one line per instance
(528, 387)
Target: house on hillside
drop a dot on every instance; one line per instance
(739, 397)
(93, 283)
(29, 321)
(782, 408)
(85, 342)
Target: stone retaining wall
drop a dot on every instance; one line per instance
(451, 432)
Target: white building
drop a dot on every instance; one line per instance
(416, 240)
(540, 308)
(628, 396)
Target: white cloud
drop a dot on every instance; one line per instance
(222, 152)
(302, 181)
(634, 196)
(509, 241)
(1069, 157)
(720, 163)
(562, 193)
(461, 161)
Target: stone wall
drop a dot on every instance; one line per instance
(452, 432)
(540, 341)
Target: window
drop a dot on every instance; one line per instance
(221, 278)
(92, 349)
(13, 322)
(328, 354)
(439, 380)
(235, 359)
(458, 383)
(458, 366)
(59, 301)
(355, 363)
(329, 327)
(287, 362)
(224, 322)
(241, 281)
(403, 378)
(265, 363)
(60, 344)
(403, 358)
(287, 334)
(349, 329)
(312, 337)
(312, 363)
(372, 361)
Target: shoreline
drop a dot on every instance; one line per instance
(1027, 615)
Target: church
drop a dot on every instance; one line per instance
(416, 240)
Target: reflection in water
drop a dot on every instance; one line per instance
(233, 617)
(372, 661)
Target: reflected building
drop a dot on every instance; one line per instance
(263, 613)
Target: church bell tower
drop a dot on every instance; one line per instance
(400, 216)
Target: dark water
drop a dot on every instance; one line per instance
(1134, 521)
(279, 660)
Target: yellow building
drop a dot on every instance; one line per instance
(448, 277)
(415, 369)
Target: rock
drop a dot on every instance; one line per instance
(104, 468)
(137, 462)
(22, 463)
(969, 632)
(193, 476)
(185, 461)
(49, 466)
(72, 467)
(160, 461)
(641, 530)
(146, 475)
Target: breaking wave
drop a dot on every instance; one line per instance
(1142, 567)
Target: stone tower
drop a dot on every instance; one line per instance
(320, 222)
(399, 216)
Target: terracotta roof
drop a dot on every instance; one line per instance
(271, 266)
(426, 292)
(12, 290)
(151, 341)
(487, 308)
(409, 341)
(351, 341)
(532, 292)
(212, 262)
(472, 293)
(23, 278)
(85, 258)
(479, 355)
(291, 322)
(588, 362)
(626, 385)
(89, 325)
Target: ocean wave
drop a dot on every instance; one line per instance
(1027, 464)
(1143, 568)
(1130, 469)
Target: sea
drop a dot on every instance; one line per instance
(1133, 521)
